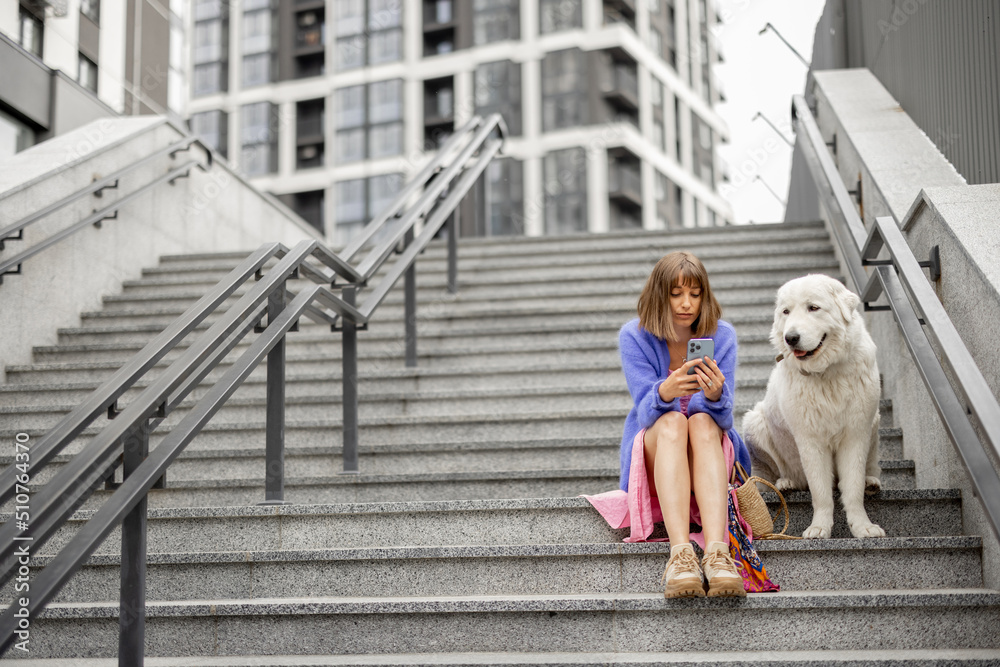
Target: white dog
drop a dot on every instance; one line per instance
(821, 405)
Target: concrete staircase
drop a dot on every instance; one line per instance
(463, 541)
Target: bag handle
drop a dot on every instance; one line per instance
(738, 473)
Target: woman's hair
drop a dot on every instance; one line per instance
(673, 269)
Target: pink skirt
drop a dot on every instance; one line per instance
(635, 508)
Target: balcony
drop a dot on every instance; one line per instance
(624, 183)
(310, 33)
(620, 86)
(439, 15)
(439, 103)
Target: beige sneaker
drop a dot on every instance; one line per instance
(723, 578)
(683, 575)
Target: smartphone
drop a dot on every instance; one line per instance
(699, 348)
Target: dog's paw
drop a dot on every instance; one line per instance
(816, 532)
(867, 530)
(873, 485)
(784, 484)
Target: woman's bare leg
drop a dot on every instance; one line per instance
(666, 451)
(709, 477)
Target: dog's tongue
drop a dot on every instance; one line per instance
(799, 353)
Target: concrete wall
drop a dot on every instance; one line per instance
(211, 211)
(904, 175)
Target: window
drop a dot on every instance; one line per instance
(309, 133)
(564, 86)
(15, 135)
(257, 43)
(566, 191)
(656, 41)
(309, 206)
(86, 73)
(655, 91)
(212, 128)
(210, 47)
(498, 89)
(668, 204)
(382, 190)
(556, 15)
(368, 32)
(259, 139)
(504, 198)
(91, 9)
(495, 21)
(369, 121)
(31, 31)
(360, 200)
(702, 150)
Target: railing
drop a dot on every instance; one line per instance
(901, 280)
(15, 231)
(444, 182)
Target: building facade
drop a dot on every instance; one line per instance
(333, 104)
(64, 63)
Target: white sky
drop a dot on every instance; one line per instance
(761, 74)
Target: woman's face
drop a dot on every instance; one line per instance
(685, 305)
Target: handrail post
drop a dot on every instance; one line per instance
(453, 222)
(350, 397)
(410, 297)
(132, 605)
(274, 474)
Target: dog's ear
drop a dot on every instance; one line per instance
(847, 301)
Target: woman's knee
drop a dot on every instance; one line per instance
(670, 428)
(703, 428)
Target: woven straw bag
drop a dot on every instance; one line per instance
(754, 510)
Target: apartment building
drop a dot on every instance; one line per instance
(64, 63)
(333, 104)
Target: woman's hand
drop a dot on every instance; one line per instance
(679, 383)
(710, 378)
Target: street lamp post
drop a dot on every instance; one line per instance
(775, 30)
(773, 127)
(764, 183)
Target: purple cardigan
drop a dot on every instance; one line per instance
(646, 362)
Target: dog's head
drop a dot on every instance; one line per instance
(811, 317)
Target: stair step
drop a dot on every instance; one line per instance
(743, 658)
(902, 513)
(880, 620)
(542, 569)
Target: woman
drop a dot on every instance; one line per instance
(683, 423)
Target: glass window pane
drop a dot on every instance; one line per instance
(560, 15)
(350, 201)
(351, 52)
(256, 123)
(350, 145)
(386, 140)
(256, 31)
(385, 46)
(384, 14)
(207, 78)
(257, 69)
(385, 101)
(256, 159)
(350, 17)
(381, 191)
(350, 107)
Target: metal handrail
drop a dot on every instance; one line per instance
(15, 231)
(125, 440)
(902, 282)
